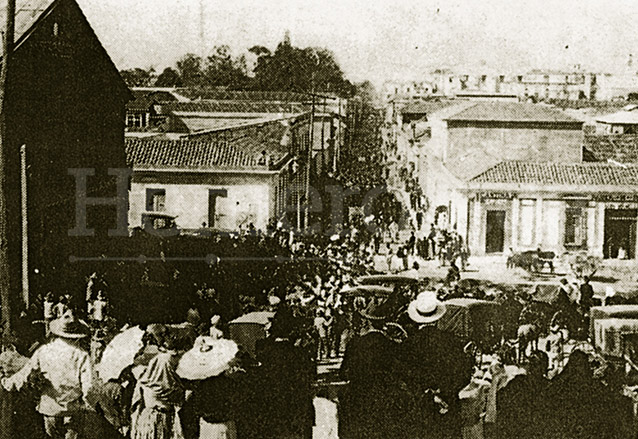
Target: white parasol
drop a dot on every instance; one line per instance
(120, 353)
(209, 357)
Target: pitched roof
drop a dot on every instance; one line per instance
(567, 174)
(27, 14)
(521, 112)
(234, 107)
(237, 149)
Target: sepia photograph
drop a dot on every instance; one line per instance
(329, 219)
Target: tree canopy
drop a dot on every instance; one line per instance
(287, 68)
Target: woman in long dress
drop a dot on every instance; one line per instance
(158, 394)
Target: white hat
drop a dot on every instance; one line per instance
(426, 308)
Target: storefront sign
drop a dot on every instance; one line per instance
(618, 198)
(497, 195)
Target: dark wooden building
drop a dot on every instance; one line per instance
(65, 107)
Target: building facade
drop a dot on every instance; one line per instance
(560, 207)
(468, 138)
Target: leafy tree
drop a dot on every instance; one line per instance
(168, 78)
(190, 70)
(290, 68)
(138, 77)
(225, 71)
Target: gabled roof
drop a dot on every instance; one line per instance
(27, 14)
(520, 112)
(564, 174)
(31, 12)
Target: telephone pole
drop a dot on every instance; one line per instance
(6, 404)
(309, 161)
(5, 272)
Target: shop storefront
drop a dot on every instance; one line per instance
(600, 219)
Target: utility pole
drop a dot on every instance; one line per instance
(323, 148)
(309, 161)
(5, 272)
(6, 403)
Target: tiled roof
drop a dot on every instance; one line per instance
(234, 107)
(27, 13)
(622, 148)
(568, 174)
(237, 149)
(185, 154)
(490, 111)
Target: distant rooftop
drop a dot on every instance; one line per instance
(627, 116)
(518, 112)
(257, 107)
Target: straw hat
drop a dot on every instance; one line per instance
(209, 357)
(68, 326)
(426, 308)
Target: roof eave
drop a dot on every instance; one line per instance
(199, 170)
(538, 187)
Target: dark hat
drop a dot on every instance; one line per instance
(376, 311)
(193, 317)
(68, 326)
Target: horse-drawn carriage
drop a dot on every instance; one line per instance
(533, 261)
(473, 320)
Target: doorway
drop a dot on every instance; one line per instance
(494, 231)
(620, 233)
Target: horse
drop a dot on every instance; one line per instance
(527, 335)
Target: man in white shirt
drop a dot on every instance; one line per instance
(65, 371)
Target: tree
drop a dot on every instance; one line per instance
(168, 78)
(138, 77)
(290, 68)
(190, 70)
(222, 70)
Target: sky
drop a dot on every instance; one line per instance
(379, 39)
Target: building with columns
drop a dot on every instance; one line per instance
(561, 207)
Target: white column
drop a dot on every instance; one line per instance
(600, 230)
(516, 202)
(538, 232)
(475, 229)
(591, 228)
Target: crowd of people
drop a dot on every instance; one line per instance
(404, 375)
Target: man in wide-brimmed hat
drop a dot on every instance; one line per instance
(434, 363)
(66, 371)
